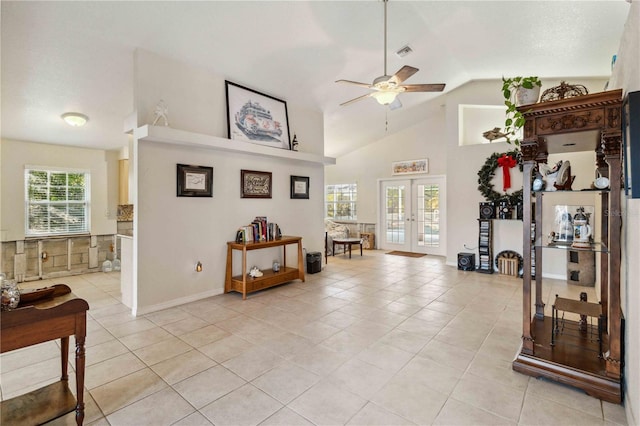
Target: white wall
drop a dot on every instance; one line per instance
(365, 165)
(626, 76)
(103, 166)
(172, 233)
(196, 100)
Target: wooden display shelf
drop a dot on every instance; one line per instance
(245, 284)
(574, 360)
(581, 123)
(268, 279)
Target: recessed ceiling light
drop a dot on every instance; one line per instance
(75, 119)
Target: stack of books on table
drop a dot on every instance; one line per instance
(258, 230)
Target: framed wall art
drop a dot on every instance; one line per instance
(408, 167)
(255, 184)
(300, 187)
(255, 117)
(194, 181)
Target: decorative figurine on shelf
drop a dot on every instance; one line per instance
(581, 229)
(294, 143)
(161, 112)
(255, 272)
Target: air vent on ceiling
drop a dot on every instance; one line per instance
(404, 51)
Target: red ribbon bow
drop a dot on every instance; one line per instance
(506, 162)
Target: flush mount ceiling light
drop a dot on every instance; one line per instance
(75, 119)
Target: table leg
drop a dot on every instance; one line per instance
(64, 356)
(334, 248)
(80, 361)
(360, 248)
(349, 250)
(227, 276)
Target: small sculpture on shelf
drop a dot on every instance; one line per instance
(556, 178)
(161, 112)
(254, 272)
(581, 229)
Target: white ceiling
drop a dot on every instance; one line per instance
(78, 56)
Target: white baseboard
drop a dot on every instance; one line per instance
(175, 302)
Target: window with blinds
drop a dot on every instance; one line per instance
(340, 201)
(57, 202)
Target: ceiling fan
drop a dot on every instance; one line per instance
(386, 88)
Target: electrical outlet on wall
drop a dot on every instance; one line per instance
(107, 213)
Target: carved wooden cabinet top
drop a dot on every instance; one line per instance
(583, 122)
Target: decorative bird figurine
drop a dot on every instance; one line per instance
(493, 134)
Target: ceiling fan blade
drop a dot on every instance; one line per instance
(395, 104)
(368, 86)
(403, 74)
(423, 87)
(359, 98)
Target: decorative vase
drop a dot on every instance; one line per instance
(10, 295)
(527, 96)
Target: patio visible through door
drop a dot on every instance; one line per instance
(412, 215)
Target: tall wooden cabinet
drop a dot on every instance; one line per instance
(583, 359)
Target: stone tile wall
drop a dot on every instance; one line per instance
(59, 253)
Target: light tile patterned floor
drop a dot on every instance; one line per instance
(372, 340)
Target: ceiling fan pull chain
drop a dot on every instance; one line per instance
(386, 118)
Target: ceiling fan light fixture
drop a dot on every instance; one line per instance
(385, 98)
(75, 119)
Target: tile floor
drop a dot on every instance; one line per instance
(372, 340)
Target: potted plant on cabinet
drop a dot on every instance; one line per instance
(518, 91)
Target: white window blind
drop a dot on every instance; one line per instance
(57, 202)
(340, 201)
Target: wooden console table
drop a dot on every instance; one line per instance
(245, 284)
(50, 319)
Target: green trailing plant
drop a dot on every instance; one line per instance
(515, 119)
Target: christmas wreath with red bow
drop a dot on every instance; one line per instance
(505, 160)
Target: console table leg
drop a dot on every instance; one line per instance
(64, 356)
(80, 361)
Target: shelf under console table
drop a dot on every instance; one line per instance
(50, 319)
(245, 284)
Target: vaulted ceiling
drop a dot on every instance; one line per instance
(78, 55)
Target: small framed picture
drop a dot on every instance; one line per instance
(300, 187)
(409, 167)
(255, 184)
(194, 181)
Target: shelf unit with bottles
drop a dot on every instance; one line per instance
(583, 123)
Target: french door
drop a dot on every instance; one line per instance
(412, 215)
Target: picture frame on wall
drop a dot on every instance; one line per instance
(299, 187)
(256, 117)
(194, 181)
(409, 167)
(254, 184)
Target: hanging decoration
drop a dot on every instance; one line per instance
(506, 162)
(487, 173)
